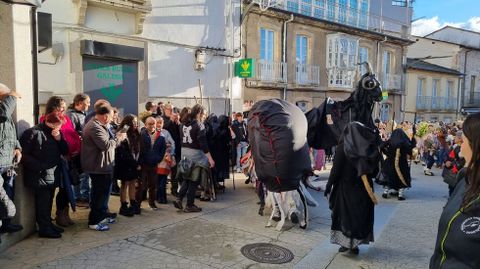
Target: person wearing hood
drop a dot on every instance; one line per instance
(396, 169)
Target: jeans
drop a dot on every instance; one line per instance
(8, 183)
(188, 188)
(162, 188)
(101, 184)
(82, 190)
(241, 150)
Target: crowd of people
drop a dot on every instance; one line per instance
(78, 157)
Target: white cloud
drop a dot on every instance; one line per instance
(423, 27)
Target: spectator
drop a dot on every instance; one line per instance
(454, 163)
(152, 151)
(114, 123)
(172, 125)
(150, 110)
(43, 146)
(127, 168)
(10, 154)
(77, 113)
(57, 105)
(98, 155)
(195, 149)
(458, 237)
(164, 168)
(160, 109)
(241, 138)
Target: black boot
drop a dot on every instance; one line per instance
(125, 210)
(136, 207)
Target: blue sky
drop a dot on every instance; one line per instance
(462, 9)
(438, 13)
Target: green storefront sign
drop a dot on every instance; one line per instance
(244, 68)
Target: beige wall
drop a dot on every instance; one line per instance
(424, 47)
(411, 98)
(317, 55)
(16, 72)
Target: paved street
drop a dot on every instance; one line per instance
(404, 236)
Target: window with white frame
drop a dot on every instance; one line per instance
(306, 7)
(332, 7)
(420, 87)
(342, 11)
(387, 67)
(266, 44)
(292, 5)
(319, 9)
(449, 89)
(342, 53)
(353, 12)
(363, 19)
(302, 49)
(363, 57)
(435, 88)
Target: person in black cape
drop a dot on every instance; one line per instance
(396, 169)
(351, 197)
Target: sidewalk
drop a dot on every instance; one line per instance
(405, 234)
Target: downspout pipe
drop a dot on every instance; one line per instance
(464, 88)
(284, 54)
(36, 108)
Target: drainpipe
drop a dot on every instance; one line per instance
(284, 56)
(464, 88)
(36, 108)
(377, 105)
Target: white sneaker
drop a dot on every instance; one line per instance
(108, 221)
(99, 227)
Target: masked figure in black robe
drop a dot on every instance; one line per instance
(349, 186)
(396, 169)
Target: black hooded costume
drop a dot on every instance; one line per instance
(398, 140)
(278, 137)
(352, 207)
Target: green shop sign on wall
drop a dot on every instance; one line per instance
(244, 68)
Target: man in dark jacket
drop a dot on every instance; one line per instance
(152, 151)
(43, 145)
(239, 127)
(11, 150)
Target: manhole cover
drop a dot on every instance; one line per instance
(267, 253)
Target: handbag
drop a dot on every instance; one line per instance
(449, 177)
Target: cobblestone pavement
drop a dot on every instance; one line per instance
(405, 234)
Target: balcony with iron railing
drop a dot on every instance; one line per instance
(436, 103)
(391, 82)
(347, 15)
(271, 72)
(472, 100)
(307, 75)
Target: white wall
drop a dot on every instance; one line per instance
(191, 24)
(63, 11)
(458, 36)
